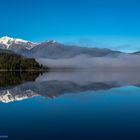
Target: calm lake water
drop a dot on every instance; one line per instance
(86, 105)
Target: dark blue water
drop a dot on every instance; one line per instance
(112, 114)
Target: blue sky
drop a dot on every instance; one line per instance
(94, 23)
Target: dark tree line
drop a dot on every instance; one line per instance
(11, 62)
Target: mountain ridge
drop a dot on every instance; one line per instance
(52, 49)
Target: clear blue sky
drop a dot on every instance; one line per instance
(101, 23)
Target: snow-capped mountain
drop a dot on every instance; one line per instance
(56, 55)
(49, 49)
(11, 43)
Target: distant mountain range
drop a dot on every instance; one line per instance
(53, 54)
(50, 49)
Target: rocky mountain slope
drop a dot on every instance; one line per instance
(50, 49)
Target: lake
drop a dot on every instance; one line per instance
(75, 105)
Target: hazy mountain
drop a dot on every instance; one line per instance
(56, 55)
(51, 49)
(137, 53)
(58, 51)
(5, 51)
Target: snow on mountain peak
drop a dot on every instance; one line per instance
(8, 41)
(51, 41)
(16, 43)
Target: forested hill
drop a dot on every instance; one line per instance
(9, 62)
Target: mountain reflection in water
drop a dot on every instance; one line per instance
(17, 86)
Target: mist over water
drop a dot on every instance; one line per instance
(85, 61)
(125, 77)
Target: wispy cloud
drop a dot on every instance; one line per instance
(84, 61)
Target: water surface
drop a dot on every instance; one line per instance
(85, 105)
